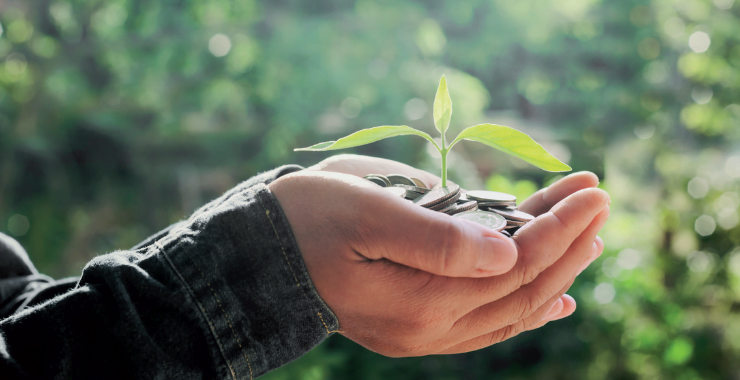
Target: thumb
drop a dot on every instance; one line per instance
(439, 243)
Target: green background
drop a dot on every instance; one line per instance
(120, 117)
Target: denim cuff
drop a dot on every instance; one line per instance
(240, 262)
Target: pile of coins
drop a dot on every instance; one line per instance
(492, 209)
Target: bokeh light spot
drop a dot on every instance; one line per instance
(727, 201)
(705, 225)
(350, 108)
(699, 261)
(629, 259)
(648, 48)
(674, 27)
(655, 72)
(644, 132)
(610, 267)
(16, 64)
(733, 263)
(430, 38)
(604, 293)
(18, 225)
(640, 15)
(701, 94)
(699, 42)
(732, 166)
(219, 45)
(723, 4)
(728, 219)
(698, 187)
(45, 47)
(19, 31)
(415, 109)
(378, 69)
(679, 351)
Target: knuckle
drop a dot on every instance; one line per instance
(512, 330)
(530, 301)
(528, 274)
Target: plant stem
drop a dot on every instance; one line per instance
(443, 153)
(444, 167)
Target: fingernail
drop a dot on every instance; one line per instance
(556, 308)
(499, 256)
(591, 257)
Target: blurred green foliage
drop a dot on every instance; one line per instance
(119, 117)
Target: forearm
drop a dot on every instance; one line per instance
(224, 294)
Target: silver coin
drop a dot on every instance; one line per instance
(410, 195)
(397, 191)
(375, 180)
(400, 179)
(497, 204)
(450, 208)
(462, 207)
(514, 215)
(437, 186)
(444, 204)
(437, 196)
(419, 183)
(490, 196)
(493, 221)
(415, 189)
(378, 178)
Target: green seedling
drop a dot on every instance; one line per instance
(506, 139)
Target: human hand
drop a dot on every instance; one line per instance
(407, 281)
(537, 204)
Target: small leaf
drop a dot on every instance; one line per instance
(442, 106)
(317, 147)
(513, 142)
(367, 136)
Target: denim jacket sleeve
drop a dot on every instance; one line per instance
(222, 295)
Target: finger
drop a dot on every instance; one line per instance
(540, 243)
(597, 249)
(569, 306)
(505, 331)
(543, 200)
(430, 241)
(524, 303)
(555, 309)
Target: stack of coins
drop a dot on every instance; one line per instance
(492, 209)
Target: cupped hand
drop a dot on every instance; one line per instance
(407, 281)
(537, 204)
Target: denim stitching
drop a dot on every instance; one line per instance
(202, 309)
(267, 213)
(215, 295)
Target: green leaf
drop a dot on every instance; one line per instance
(513, 142)
(442, 106)
(367, 136)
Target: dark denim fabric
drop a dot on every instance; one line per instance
(222, 295)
